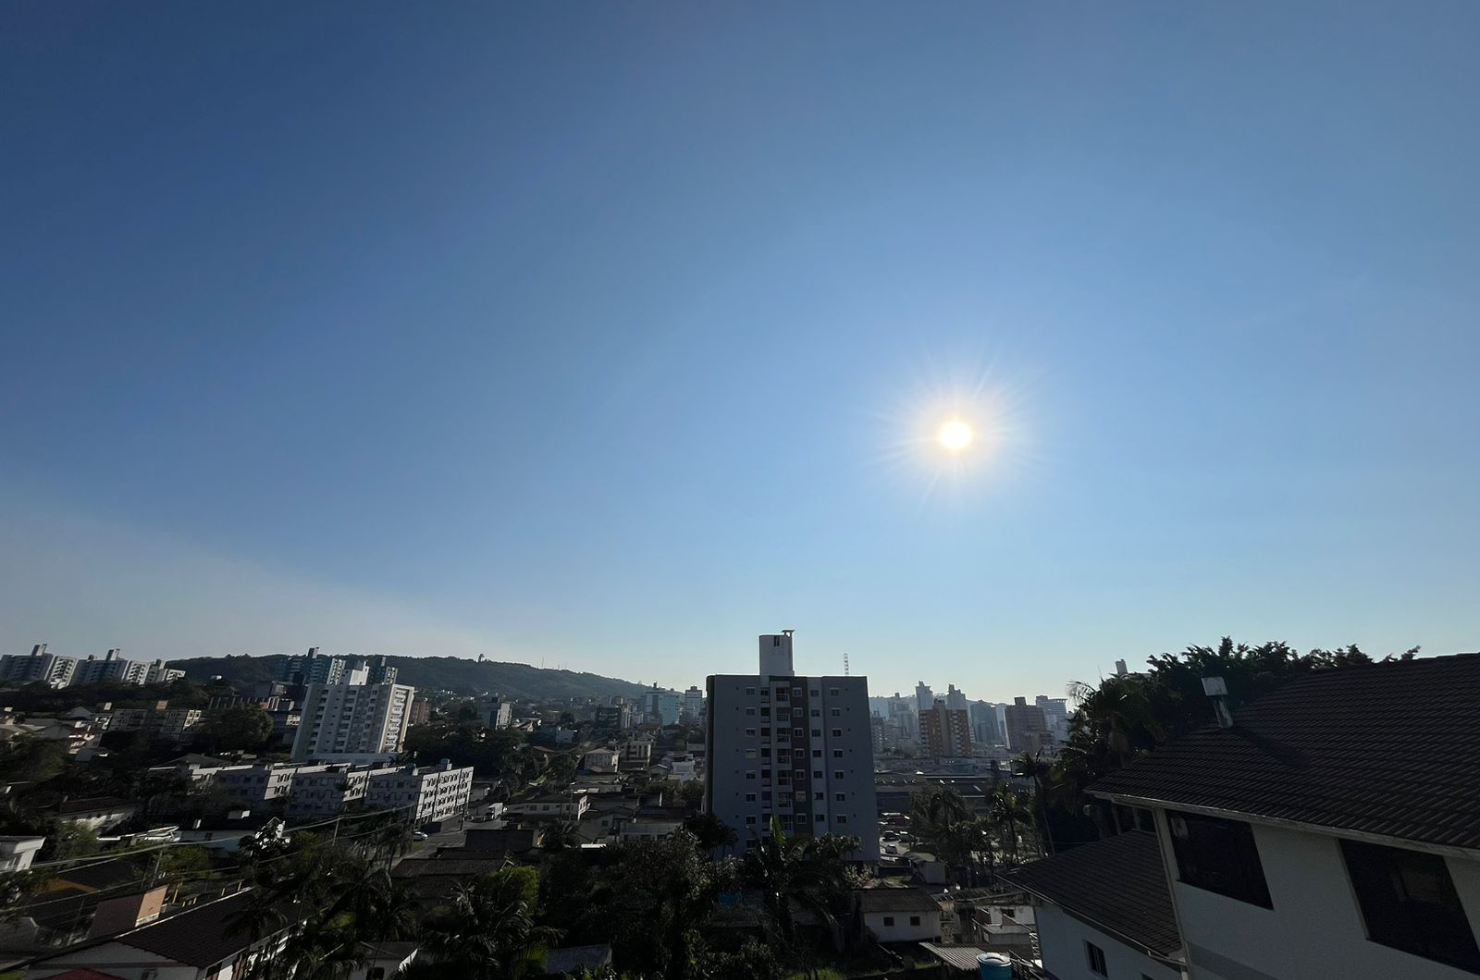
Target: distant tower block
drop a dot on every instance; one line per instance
(776, 655)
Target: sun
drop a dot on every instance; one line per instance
(955, 436)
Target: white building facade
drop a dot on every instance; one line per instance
(363, 723)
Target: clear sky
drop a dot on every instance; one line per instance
(613, 334)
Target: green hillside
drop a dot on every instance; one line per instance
(436, 674)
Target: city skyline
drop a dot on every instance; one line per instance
(613, 337)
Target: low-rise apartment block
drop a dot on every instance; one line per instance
(429, 794)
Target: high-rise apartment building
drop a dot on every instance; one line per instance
(947, 731)
(313, 668)
(111, 668)
(984, 730)
(796, 748)
(924, 698)
(39, 667)
(1024, 725)
(693, 705)
(955, 698)
(352, 722)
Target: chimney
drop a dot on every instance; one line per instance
(1215, 688)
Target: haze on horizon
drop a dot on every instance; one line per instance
(616, 335)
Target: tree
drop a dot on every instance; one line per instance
(239, 727)
(709, 831)
(809, 872)
(489, 930)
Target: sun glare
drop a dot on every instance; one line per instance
(955, 436)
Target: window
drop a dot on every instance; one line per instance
(1219, 856)
(1408, 902)
(801, 774)
(1096, 957)
(816, 773)
(816, 712)
(750, 774)
(841, 797)
(765, 712)
(836, 712)
(766, 797)
(750, 712)
(837, 753)
(799, 732)
(781, 694)
(750, 753)
(816, 753)
(815, 692)
(765, 753)
(888, 920)
(749, 797)
(821, 817)
(796, 692)
(796, 712)
(765, 732)
(837, 774)
(837, 733)
(750, 732)
(750, 692)
(816, 733)
(832, 692)
(842, 819)
(820, 796)
(914, 920)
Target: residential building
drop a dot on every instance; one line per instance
(160, 672)
(40, 667)
(1104, 910)
(1303, 837)
(421, 712)
(111, 668)
(924, 698)
(98, 814)
(955, 698)
(653, 822)
(601, 760)
(352, 722)
(637, 754)
(566, 806)
(795, 748)
(428, 794)
(947, 731)
(496, 712)
(313, 668)
(899, 915)
(661, 706)
(1055, 715)
(984, 729)
(202, 943)
(257, 784)
(380, 671)
(692, 709)
(168, 724)
(327, 790)
(1024, 726)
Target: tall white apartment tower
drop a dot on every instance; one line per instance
(353, 722)
(791, 747)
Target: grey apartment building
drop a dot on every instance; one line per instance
(793, 747)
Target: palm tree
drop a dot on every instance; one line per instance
(488, 932)
(1007, 811)
(1041, 773)
(811, 872)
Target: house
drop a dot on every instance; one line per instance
(203, 943)
(899, 915)
(1327, 830)
(97, 813)
(1105, 909)
(653, 822)
(601, 760)
(556, 806)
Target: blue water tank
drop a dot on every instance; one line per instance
(994, 966)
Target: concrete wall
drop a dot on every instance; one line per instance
(928, 931)
(1315, 930)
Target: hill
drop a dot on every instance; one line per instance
(437, 674)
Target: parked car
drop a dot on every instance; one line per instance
(418, 835)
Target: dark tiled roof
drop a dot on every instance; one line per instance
(1117, 884)
(201, 937)
(896, 900)
(1391, 749)
(108, 874)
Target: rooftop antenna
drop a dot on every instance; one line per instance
(845, 664)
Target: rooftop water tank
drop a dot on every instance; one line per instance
(994, 966)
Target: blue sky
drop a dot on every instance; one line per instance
(612, 335)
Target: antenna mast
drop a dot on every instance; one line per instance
(845, 665)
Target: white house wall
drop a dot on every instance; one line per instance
(1315, 930)
(1062, 938)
